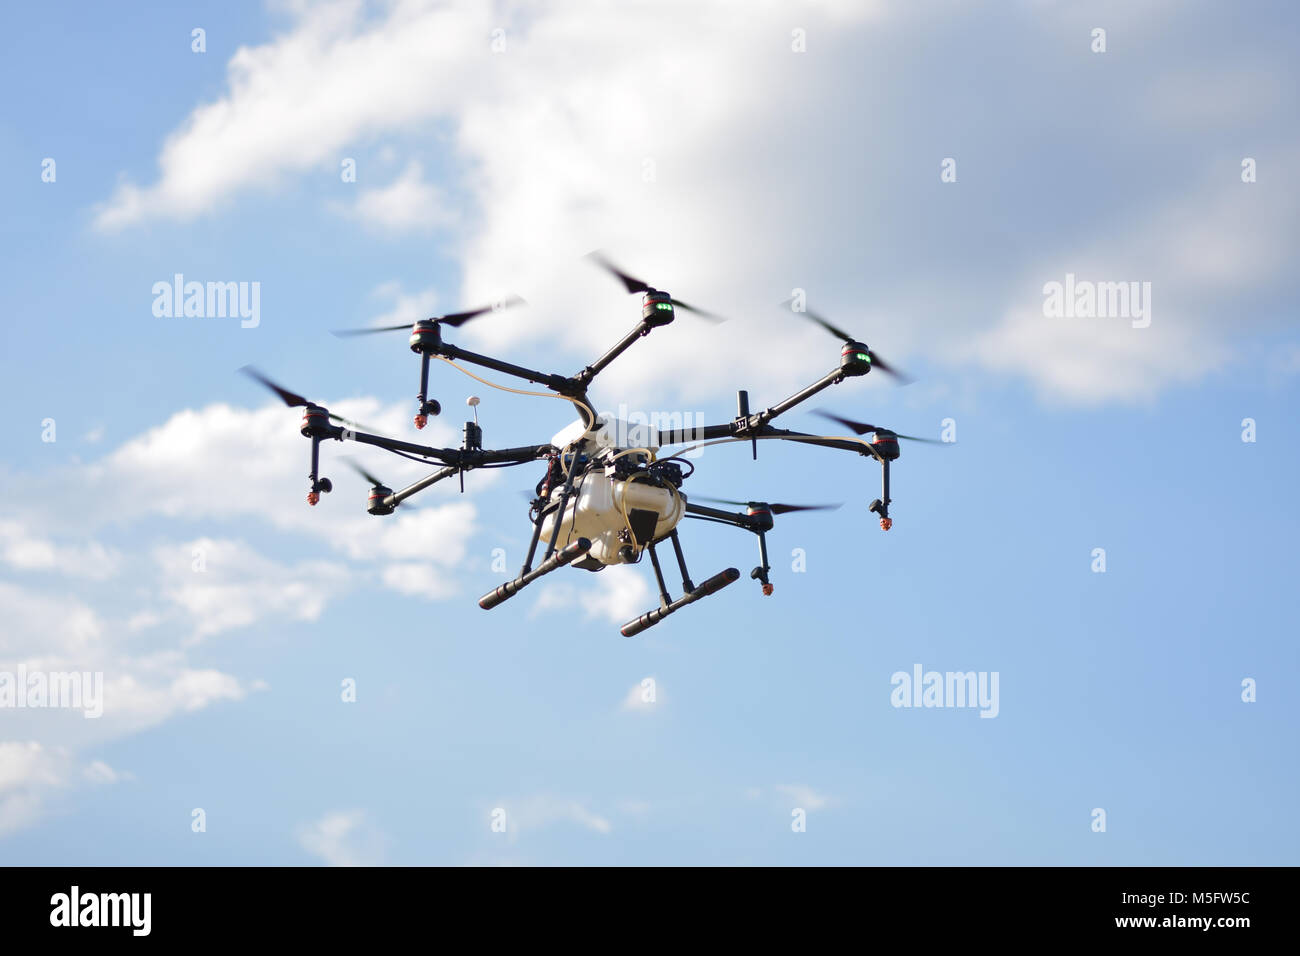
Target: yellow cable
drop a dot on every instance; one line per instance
(631, 451)
(578, 402)
(521, 391)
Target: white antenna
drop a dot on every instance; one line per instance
(472, 402)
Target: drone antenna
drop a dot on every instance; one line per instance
(472, 402)
(742, 417)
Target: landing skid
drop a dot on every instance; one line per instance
(692, 593)
(558, 559)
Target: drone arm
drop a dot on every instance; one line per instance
(512, 455)
(826, 381)
(641, 330)
(557, 383)
(479, 459)
(752, 426)
(717, 514)
(861, 447)
(397, 497)
(444, 455)
(678, 436)
(737, 431)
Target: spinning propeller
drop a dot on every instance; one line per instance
(294, 400)
(454, 319)
(653, 295)
(873, 359)
(426, 341)
(862, 428)
(378, 490)
(759, 519)
(760, 506)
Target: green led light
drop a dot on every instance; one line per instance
(664, 306)
(864, 357)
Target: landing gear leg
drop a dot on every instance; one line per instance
(881, 505)
(319, 486)
(760, 573)
(712, 586)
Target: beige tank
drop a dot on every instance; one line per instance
(596, 512)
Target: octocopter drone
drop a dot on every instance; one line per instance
(607, 497)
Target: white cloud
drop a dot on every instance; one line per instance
(1195, 256)
(408, 204)
(25, 551)
(635, 698)
(617, 595)
(99, 772)
(224, 585)
(407, 306)
(730, 185)
(545, 810)
(209, 466)
(296, 102)
(803, 796)
(30, 773)
(343, 838)
(418, 580)
(36, 623)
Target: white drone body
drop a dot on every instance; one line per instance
(619, 516)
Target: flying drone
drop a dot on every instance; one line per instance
(607, 496)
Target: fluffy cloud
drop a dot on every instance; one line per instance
(613, 597)
(408, 204)
(23, 550)
(31, 773)
(540, 811)
(803, 796)
(725, 165)
(138, 633)
(343, 838)
(636, 698)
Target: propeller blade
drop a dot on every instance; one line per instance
(787, 509)
(454, 319)
(710, 316)
(858, 428)
(720, 501)
(902, 377)
(345, 333)
(355, 426)
(631, 283)
(861, 428)
(778, 509)
(457, 319)
(362, 472)
(833, 330)
(292, 399)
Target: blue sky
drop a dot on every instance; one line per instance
(701, 149)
